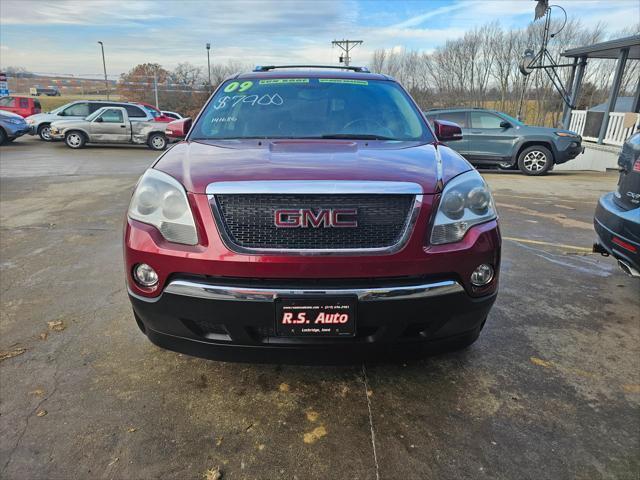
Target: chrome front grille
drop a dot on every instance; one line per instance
(245, 213)
(249, 221)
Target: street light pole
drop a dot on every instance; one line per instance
(209, 64)
(104, 66)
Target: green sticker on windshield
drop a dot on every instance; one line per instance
(343, 80)
(278, 81)
(240, 87)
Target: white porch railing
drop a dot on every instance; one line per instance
(578, 119)
(616, 133)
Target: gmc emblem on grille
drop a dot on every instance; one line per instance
(323, 217)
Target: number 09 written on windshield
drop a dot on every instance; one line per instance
(231, 101)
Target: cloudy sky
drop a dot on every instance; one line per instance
(60, 36)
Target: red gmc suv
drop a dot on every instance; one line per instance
(311, 215)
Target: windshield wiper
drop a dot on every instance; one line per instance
(355, 136)
(347, 136)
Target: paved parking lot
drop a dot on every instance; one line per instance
(550, 391)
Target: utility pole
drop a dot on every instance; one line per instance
(104, 66)
(346, 46)
(209, 64)
(155, 86)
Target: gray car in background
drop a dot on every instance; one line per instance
(491, 138)
(12, 126)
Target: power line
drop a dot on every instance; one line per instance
(346, 46)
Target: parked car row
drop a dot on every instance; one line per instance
(491, 138)
(111, 124)
(86, 121)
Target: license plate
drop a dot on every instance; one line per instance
(316, 316)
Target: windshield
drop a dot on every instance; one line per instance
(94, 115)
(59, 109)
(515, 121)
(154, 113)
(311, 108)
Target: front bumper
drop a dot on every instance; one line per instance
(611, 221)
(387, 319)
(56, 135)
(16, 131)
(235, 319)
(567, 150)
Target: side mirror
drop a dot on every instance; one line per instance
(447, 131)
(505, 124)
(99, 120)
(178, 128)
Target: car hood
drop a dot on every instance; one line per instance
(4, 114)
(196, 164)
(44, 117)
(535, 130)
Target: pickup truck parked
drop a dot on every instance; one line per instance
(110, 125)
(48, 91)
(41, 123)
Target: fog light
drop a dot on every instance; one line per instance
(482, 275)
(145, 275)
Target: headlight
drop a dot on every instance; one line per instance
(567, 134)
(466, 201)
(161, 201)
(30, 121)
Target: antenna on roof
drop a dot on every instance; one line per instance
(531, 61)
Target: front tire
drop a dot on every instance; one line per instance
(3, 137)
(44, 132)
(535, 160)
(157, 141)
(75, 140)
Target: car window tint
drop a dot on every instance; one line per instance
(112, 116)
(134, 111)
(24, 103)
(485, 120)
(95, 106)
(6, 102)
(77, 110)
(456, 117)
(36, 103)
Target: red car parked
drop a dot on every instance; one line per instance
(158, 116)
(311, 215)
(23, 106)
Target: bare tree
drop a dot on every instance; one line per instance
(481, 69)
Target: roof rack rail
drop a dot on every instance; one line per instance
(266, 68)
